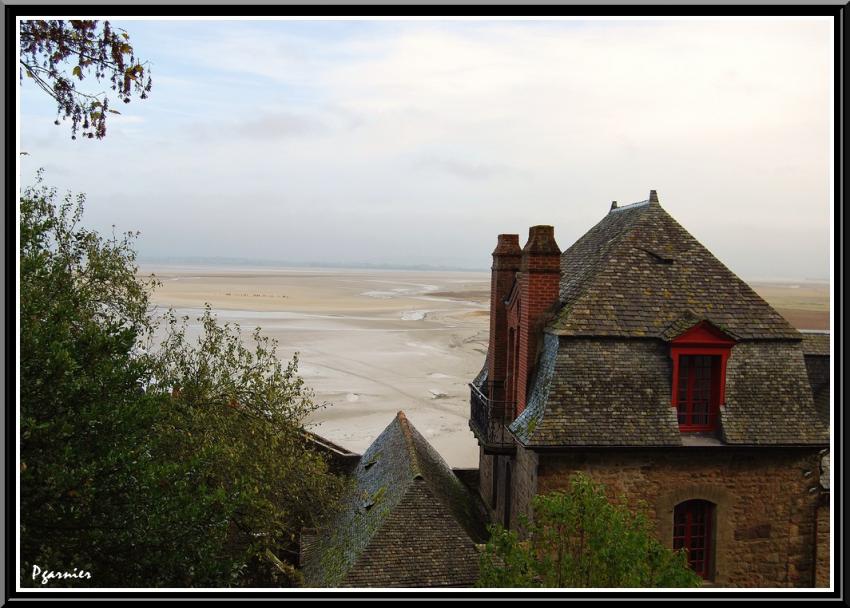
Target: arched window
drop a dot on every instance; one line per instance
(692, 530)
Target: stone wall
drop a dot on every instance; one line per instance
(765, 505)
(822, 542)
(524, 486)
(485, 476)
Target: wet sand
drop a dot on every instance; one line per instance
(804, 303)
(370, 342)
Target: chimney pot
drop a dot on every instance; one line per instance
(508, 244)
(541, 241)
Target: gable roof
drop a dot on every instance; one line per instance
(637, 272)
(409, 521)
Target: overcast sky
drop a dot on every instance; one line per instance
(419, 142)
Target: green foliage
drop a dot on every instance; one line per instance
(580, 539)
(181, 465)
(94, 49)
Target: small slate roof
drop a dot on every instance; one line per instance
(816, 343)
(409, 522)
(637, 272)
(342, 460)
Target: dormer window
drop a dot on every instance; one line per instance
(698, 403)
(699, 376)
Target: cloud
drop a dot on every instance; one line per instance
(466, 170)
(269, 132)
(268, 127)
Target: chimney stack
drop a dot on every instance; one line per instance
(653, 196)
(506, 262)
(539, 281)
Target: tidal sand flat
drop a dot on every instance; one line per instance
(804, 303)
(370, 342)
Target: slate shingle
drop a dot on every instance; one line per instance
(600, 392)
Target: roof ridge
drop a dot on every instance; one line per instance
(629, 206)
(407, 433)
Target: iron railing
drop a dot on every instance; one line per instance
(488, 418)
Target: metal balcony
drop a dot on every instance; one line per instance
(488, 419)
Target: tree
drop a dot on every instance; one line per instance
(580, 539)
(183, 464)
(55, 54)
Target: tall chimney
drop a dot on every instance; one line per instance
(506, 261)
(539, 278)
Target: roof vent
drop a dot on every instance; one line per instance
(657, 256)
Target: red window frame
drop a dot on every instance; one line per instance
(693, 531)
(703, 339)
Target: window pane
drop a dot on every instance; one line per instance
(692, 531)
(697, 375)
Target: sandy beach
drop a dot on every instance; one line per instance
(370, 342)
(804, 303)
(373, 342)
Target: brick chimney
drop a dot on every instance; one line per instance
(540, 272)
(506, 261)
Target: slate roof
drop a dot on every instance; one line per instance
(409, 522)
(599, 391)
(818, 365)
(637, 272)
(815, 343)
(614, 392)
(630, 285)
(342, 460)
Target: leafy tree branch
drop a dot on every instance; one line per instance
(57, 55)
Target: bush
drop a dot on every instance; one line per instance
(580, 539)
(182, 465)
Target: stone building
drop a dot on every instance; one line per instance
(639, 358)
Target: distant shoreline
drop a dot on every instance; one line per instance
(271, 264)
(248, 264)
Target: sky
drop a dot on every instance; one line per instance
(418, 142)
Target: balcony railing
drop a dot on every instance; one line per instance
(488, 418)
